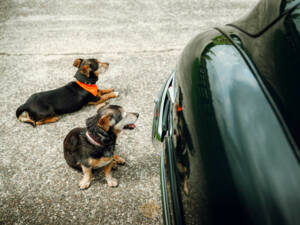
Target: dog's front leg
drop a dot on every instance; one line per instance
(106, 91)
(105, 97)
(87, 177)
(112, 182)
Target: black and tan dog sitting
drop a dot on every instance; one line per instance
(44, 107)
(93, 146)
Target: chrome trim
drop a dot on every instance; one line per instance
(171, 94)
(157, 129)
(163, 98)
(164, 191)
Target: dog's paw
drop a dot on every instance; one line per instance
(116, 93)
(112, 182)
(119, 160)
(115, 166)
(84, 184)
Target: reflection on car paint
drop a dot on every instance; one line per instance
(205, 162)
(258, 152)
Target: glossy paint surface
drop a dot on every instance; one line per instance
(264, 15)
(275, 54)
(254, 141)
(234, 142)
(240, 140)
(199, 144)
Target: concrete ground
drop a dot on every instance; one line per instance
(39, 40)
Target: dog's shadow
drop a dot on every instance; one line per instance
(98, 174)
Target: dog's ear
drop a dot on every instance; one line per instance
(103, 122)
(85, 70)
(77, 62)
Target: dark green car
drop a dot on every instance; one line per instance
(227, 122)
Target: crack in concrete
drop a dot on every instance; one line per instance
(91, 53)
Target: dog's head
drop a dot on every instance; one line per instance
(109, 121)
(89, 70)
(114, 118)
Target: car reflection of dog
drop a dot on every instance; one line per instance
(93, 146)
(44, 107)
(181, 139)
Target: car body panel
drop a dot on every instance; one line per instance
(228, 132)
(253, 139)
(275, 53)
(199, 135)
(266, 13)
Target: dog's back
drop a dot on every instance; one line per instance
(71, 144)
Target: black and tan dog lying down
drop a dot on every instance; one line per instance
(93, 146)
(45, 107)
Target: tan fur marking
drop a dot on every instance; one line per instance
(106, 91)
(108, 168)
(47, 120)
(99, 162)
(87, 177)
(85, 70)
(103, 122)
(104, 98)
(104, 65)
(119, 160)
(77, 63)
(99, 93)
(117, 131)
(111, 182)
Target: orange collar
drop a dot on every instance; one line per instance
(92, 88)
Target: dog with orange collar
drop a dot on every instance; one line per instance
(45, 107)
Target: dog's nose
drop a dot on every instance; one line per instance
(137, 115)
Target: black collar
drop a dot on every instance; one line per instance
(87, 80)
